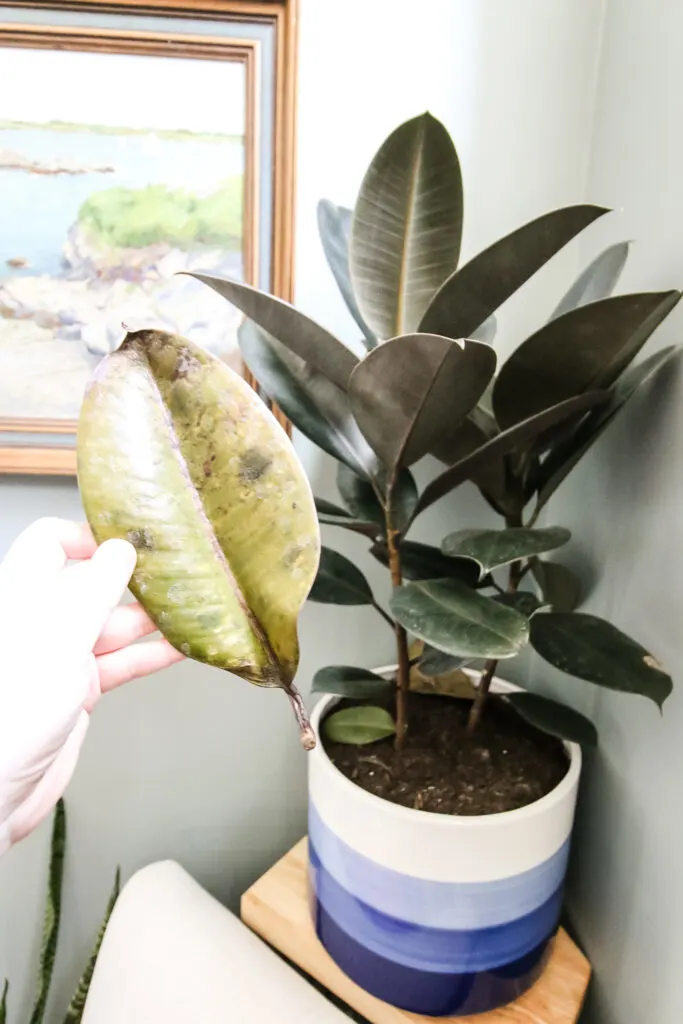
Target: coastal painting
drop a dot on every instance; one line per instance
(114, 178)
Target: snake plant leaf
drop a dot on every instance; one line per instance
(334, 228)
(590, 648)
(301, 335)
(404, 392)
(566, 453)
(339, 581)
(407, 226)
(470, 295)
(553, 718)
(359, 726)
(436, 663)
(597, 281)
(3, 1002)
(352, 682)
(425, 562)
(492, 548)
(53, 912)
(579, 351)
(177, 454)
(74, 1013)
(316, 406)
(522, 433)
(330, 514)
(454, 618)
(523, 601)
(559, 586)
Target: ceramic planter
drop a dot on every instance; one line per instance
(436, 914)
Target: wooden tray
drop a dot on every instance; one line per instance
(276, 908)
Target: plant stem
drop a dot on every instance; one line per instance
(403, 676)
(515, 576)
(387, 618)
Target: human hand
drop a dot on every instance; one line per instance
(64, 641)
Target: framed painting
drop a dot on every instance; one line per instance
(138, 139)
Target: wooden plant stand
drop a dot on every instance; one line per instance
(276, 908)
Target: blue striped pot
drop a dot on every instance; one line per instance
(436, 914)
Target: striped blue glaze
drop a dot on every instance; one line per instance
(435, 950)
(426, 992)
(449, 905)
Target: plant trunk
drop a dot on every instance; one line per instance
(403, 676)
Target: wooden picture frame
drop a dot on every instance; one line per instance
(262, 36)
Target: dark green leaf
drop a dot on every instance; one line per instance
(334, 227)
(359, 725)
(487, 331)
(554, 718)
(425, 562)
(339, 581)
(405, 393)
(332, 515)
(302, 336)
(523, 601)
(560, 588)
(449, 615)
(74, 1013)
(403, 500)
(577, 352)
(469, 297)
(407, 225)
(590, 648)
(524, 432)
(359, 496)
(436, 663)
(53, 910)
(3, 1003)
(348, 681)
(464, 439)
(316, 406)
(328, 508)
(597, 281)
(564, 455)
(493, 548)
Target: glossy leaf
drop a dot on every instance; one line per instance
(298, 333)
(469, 297)
(331, 515)
(575, 353)
(486, 332)
(360, 498)
(590, 648)
(53, 911)
(339, 581)
(449, 615)
(407, 225)
(522, 433)
(359, 726)
(597, 281)
(74, 1013)
(316, 406)
(560, 588)
(177, 454)
(349, 681)
(493, 548)
(409, 389)
(523, 601)
(553, 718)
(463, 439)
(425, 562)
(564, 455)
(437, 663)
(334, 228)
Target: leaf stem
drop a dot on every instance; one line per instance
(403, 659)
(387, 618)
(306, 733)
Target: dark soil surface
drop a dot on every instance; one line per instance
(507, 763)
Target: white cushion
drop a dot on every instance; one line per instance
(172, 954)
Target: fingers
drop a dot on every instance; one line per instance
(47, 545)
(132, 662)
(126, 624)
(91, 590)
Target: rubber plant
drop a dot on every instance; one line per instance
(426, 379)
(53, 912)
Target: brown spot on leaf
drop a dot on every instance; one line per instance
(142, 539)
(254, 464)
(207, 467)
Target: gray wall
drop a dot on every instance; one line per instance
(625, 503)
(202, 767)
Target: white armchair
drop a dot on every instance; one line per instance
(173, 955)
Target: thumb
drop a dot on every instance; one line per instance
(94, 588)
